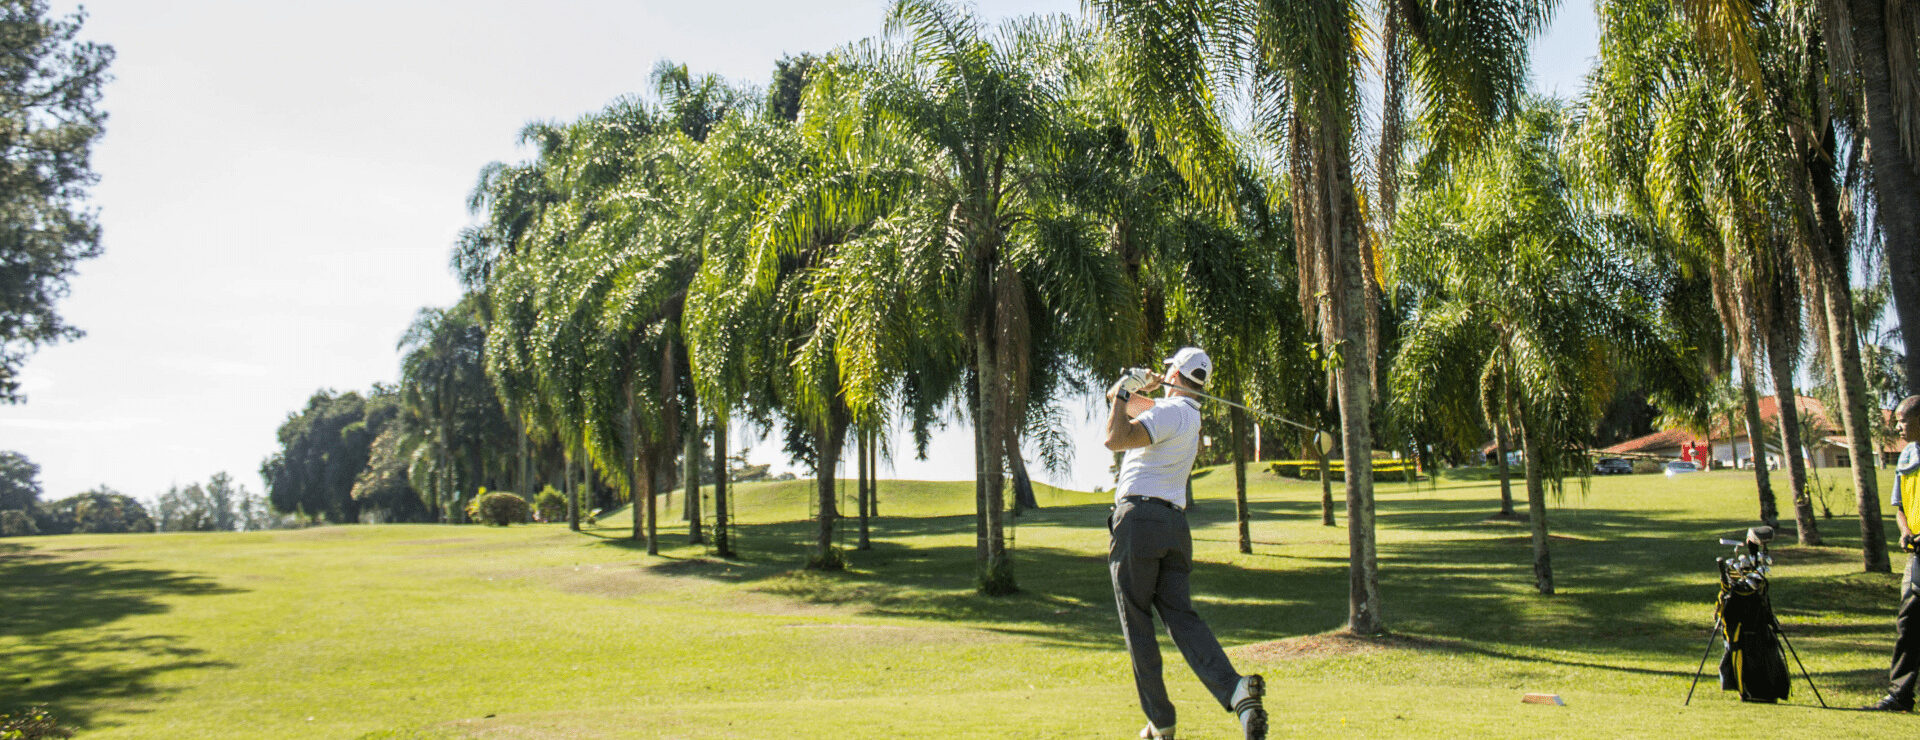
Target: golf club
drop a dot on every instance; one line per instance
(1139, 376)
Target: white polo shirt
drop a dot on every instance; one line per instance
(1160, 469)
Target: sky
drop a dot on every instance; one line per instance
(280, 184)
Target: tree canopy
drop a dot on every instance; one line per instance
(50, 82)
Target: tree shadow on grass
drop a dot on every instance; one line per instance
(63, 610)
(1633, 583)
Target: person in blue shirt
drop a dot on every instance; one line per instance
(1902, 676)
(1150, 554)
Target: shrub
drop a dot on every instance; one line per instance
(551, 505)
(16, 523)
(101, 510)
(33, 724)
(1383, 469)
(1645, 467)
(500, 509)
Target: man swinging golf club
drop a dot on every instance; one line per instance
(1151, 551)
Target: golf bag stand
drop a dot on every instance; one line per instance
(1754, 662)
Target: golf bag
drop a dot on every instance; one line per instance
(1755, 659)
(1755, 663)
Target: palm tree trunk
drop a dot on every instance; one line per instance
(583, 489)
(866, 481)
(826, 458)
(873, 464)
(1780, 364)
(690, 500)
(997, 578)
(1757, 445)
(1502, 443)
(1896, 188)
(525, 481)
(722, 544)
(657, 481)
(979, 475)
(1023, 498)
(1851, 379)
(1537, 508)
(1354, 377)
(1326, 485)
(573, 492)
(639, 472)
(1239, 423)
(1830, 265)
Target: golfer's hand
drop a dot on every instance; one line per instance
(1114, 390)
(1909, 542)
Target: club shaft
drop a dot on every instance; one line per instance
(1275, 417)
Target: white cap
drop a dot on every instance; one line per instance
(1193, 363)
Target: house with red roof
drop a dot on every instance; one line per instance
(1821, 433)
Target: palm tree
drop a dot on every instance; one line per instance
(798, 293)
(1173, 59)
(444, 385)
(1740, 149)
(728, 328)
(1871, 46)
(977, 110)
(1708, 201)
(695, 105)
(1515, 286)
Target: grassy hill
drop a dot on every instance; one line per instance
(535, 631)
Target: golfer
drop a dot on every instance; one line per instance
(1906, 504)
(1151, 551)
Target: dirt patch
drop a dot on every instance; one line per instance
(709, 568)
(1334, 645)
(323, 532)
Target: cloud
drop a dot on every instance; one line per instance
(204, 365)
(113, 424)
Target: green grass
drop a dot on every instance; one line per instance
(533, 631)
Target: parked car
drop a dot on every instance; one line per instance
(1746, 463)
(1612, 466)
(1678, 467)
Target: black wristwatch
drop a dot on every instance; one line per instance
(1123, 395)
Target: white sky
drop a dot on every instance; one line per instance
(281, 183)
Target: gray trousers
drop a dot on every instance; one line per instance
(1905, 673)
(1150, 556)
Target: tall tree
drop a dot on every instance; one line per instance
(50, 84)
(444, 385)
(1717, 124)
(19, 482)
(1175, 60)
(1872, 45)
(322, 453)
(1517, 287)
(977, 105)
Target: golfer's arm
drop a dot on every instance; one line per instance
(1123, 433)
(1900, 517)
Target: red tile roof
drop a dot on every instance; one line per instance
(1664, 439)
(1814, 421)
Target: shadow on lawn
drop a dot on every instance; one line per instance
(63, 611)
(1633, 583)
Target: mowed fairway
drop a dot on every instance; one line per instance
(535, 631)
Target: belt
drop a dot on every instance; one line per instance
(1136, 500)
